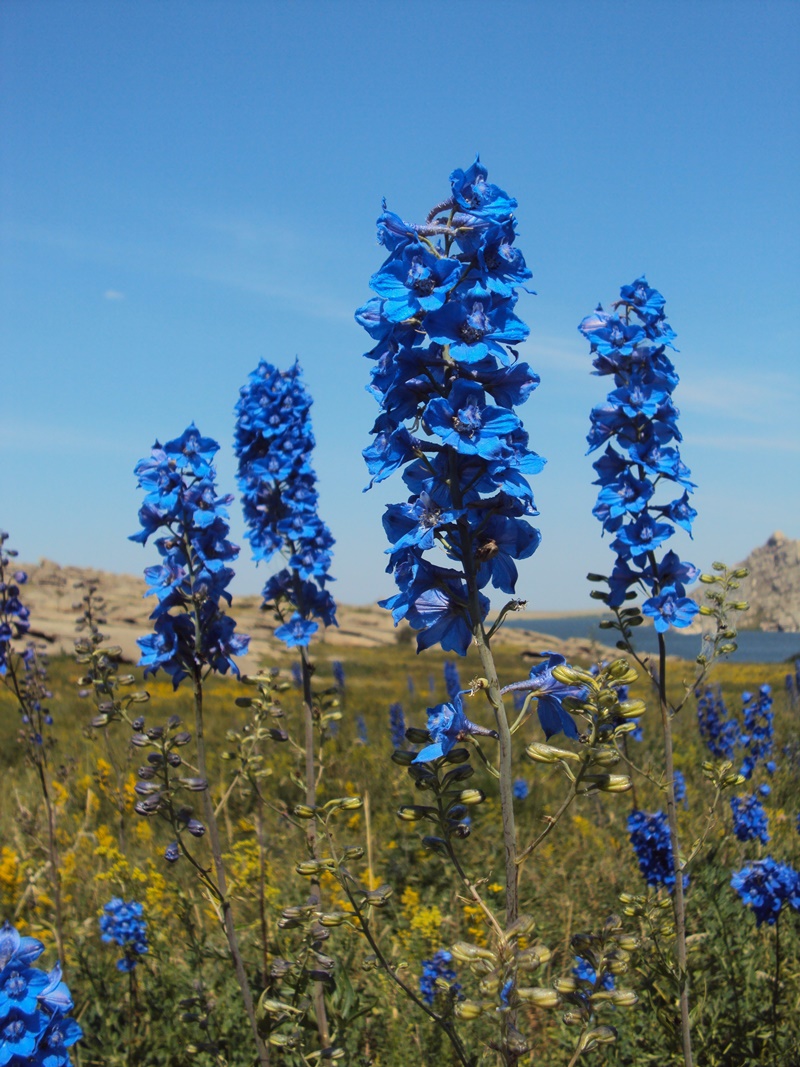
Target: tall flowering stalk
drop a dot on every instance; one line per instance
(273, 442)
(644, 496)
(447, 377)
(192, 637)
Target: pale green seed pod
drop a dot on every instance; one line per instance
(539, 996)
(468, 1009)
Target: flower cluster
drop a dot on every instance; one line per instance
(123, 924)
(584, 971)
(641, 419)
(447, 377)
(273, 443)
(520, 789)
(766, 886)
(437, 967)
(182, 505)
(750, 821)
(14, 616)
(757, 730)
(719, 731)
(651, 842)
(34, 1024)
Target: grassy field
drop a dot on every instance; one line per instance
(569, 885)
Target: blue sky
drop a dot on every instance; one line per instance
(187, 187)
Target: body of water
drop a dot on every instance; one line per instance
(754, 645)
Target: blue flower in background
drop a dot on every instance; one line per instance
(766, 886)
(124, 925)
(273, 444)
(585, 972)
(452, 681)
(680, 788)
(181, 503)
(361, 730)
(437, 967)
(34, 1023)
(520, 789)
(717, 728)
(649, 833)
(397, 725)
(638, 423)
(750, 821)
(757, 735)
(446, 376)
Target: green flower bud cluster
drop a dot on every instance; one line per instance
(443, 778)
(719, 605)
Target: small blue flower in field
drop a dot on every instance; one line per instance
(649, 834)
(34, 1027)
(397, 725)
(273, 443)
(719, 731)
(680, 788)
(338, 674)
(585, 972)
(447, 724)
(766, 886)
(181, 501)
(361, 730)
(750, 821)
(757, 736)
(520, 789)
(123, 924)
(452, 681)
(446, 377)
(436, 967)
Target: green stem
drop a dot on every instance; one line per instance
(311, 833)
(219, 868)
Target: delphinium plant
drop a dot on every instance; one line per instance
(273, 444)
(23, 673)
(35, 1027)
(644, 496)
(447, 377)
(192, 638)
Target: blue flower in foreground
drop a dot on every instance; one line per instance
(446, 376)
(123, 924)
(34, 1027)
(766, 886)
(447, 724)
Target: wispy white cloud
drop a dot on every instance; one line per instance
(113, 294)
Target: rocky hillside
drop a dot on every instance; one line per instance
(773, 586)
(53, 594)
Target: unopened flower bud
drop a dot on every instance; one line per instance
(541, 997)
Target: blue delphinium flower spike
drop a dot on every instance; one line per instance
(125, 925)
(447, 376)
(650, 838)
(273, 443)
(397, 725)
(437, 967)
(750, 821)
(766, 886)
(191, 631)
(637, 424)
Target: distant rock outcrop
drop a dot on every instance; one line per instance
(53, 594)
(773, 586)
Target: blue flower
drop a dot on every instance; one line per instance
(452, 681)
(651, 842)
(14, 615)
(34, 1027)
(124, 925)
(749, 819)
(637, 423)
(437, 967)
(181, 501)
(273, 443)
(446, 376)
(520, 789)
(397, 724)
(550, 693)
(766, 886)
(448, 724)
